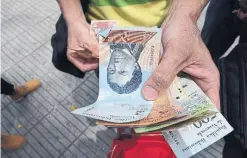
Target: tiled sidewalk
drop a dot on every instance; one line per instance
(50, 129)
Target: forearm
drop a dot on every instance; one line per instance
(72, 10)
(186, 9)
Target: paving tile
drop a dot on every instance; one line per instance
(61, 127)
(20, 117)
(19, 80)
(213, 152)
(198, 156)
(22, 109)
(5, 100)
(13, 154)
(82, 123)
(8, 125)
(49, 147)
(6, 156)
(36, 104)
(206, 154)
(101, 134)
(52, 139)
(23, 153)
(12, 50)
(72, 128)
(14, 121)
(30, 149)
(56, 87)
(55, 132)
(3, 129)
(68, 154)
(77, 152)
(84, 149)
(38, 145)
(7, 60)
(51, 93)
(45, 97)
(38, 67)
(217, 147)
(43, 101)
(53, 78)
(99, 151)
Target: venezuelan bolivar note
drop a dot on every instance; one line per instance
(128, 56)
(101, 28)
(191, 108)
(162, 110)
(195, 135)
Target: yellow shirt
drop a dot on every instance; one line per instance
(130, 12)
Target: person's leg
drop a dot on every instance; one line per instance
(221, 27)
(217, 11)
(7, 88)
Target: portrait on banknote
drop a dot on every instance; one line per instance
(124, 74)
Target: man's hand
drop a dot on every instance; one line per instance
(82, 48)
(184, 51)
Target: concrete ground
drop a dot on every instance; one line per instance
(49, 127)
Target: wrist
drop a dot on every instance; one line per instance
(72, 21)
(186, 10)
(188, 13)
(72, 11)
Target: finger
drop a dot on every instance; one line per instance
(207, 78)
(162, 77)
(87, 52)
(214, 95)
(82, 51)
(212, 90)
(93, 46)
(84, 64)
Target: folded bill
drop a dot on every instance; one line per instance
(191, 107)
(128, 56)
(162, 110)
(101, 28)
(188, 138)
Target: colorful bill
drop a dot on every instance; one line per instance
(124, 68)
(162, 110)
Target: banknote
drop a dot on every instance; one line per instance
(192, 136)
(189, 140)
(101, 28)
(126, 62)
(192, 108)
(162, 110)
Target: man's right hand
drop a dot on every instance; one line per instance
(82, 49)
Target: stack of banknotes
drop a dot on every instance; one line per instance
(186, 117)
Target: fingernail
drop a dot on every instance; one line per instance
(150, 93)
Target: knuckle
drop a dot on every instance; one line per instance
(161, 80)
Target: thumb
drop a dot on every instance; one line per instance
(161, 78)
